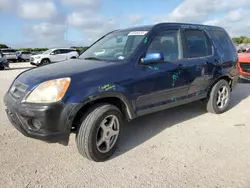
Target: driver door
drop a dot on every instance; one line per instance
(164, 84)
(56, 56)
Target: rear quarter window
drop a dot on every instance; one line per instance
(224, 44)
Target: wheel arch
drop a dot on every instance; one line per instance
(224, 77)
(45, 58)
(117, 100)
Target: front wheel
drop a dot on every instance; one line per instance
(219, 98)
(45, 62)
(98, 134)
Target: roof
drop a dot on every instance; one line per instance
(148, 27)
(60, 48)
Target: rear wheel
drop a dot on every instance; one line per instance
(98, 134)
(219, 98)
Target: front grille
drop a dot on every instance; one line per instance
(245, 67)
(18, 89)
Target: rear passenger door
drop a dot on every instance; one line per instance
(200, 61)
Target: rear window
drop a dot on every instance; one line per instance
(225, 46)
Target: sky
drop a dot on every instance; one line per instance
(64, 23)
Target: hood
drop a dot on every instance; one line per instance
(38, 55)
(69, 68)
(244, 57)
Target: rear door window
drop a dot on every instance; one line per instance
(197, 44)
(64, 51)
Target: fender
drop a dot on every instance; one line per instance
(129, 109)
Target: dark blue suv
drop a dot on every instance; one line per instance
(125, 74)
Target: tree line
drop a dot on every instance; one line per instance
(80, 48)
(240, 40)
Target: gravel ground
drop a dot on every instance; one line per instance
(179, 147)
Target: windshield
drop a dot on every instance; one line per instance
(47, 52)
(115, 46)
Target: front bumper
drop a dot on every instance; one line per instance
(244, 79)
(4, 65)
(35, 62)
(49, 123)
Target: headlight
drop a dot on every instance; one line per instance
(49, 91)
(37, 57)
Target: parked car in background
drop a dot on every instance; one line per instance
(23, 55)
(36, 53)
(146, 69)
(53, 56)
(10, 54)
(244, 67)
(4, 64)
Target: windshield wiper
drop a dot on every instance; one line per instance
(92, 58)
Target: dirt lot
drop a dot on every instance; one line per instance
(180, 147)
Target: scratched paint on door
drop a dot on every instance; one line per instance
(173, 99)
(153, 67)
(175, 77)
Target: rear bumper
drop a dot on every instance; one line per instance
(49, 123)
(11, 57)
(235, 81)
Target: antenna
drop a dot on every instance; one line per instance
(66, 30)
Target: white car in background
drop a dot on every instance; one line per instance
(53, 56)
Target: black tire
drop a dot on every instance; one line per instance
(87, 134)
(211, 101)
(44, 62)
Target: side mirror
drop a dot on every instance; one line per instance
(52, 53)
(155, 57)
